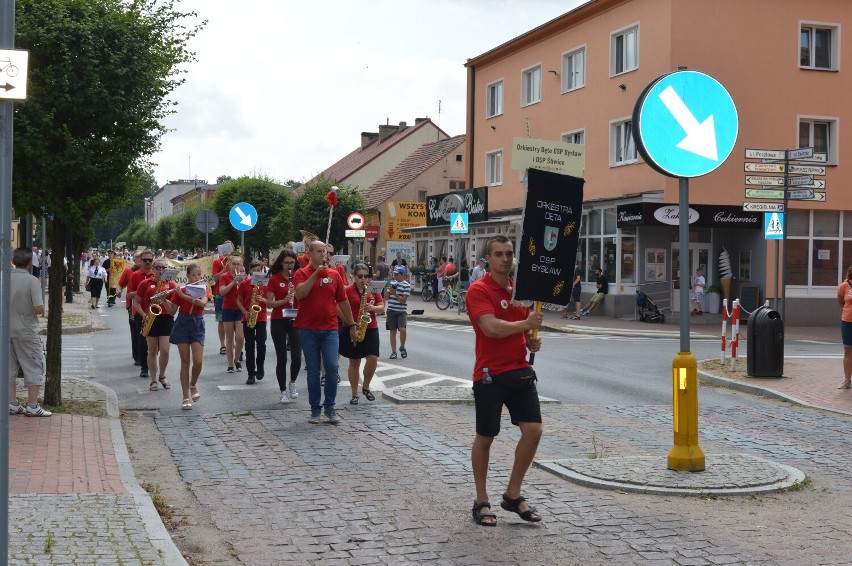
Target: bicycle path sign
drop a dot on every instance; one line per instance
(13, 74)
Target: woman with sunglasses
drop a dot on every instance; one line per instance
(154, 291)
(188, 335)
(281, 298)
(369, 347)
(232, 316)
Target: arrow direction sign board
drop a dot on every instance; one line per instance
(765, 181)
(764, 168)
(817, 184)
(765, 154)
(764, 193)
(818, 197)
(801, 180)
(803, 153)
(13, 74)
(800, 194)
(243, 216)
(817, 158)
(763, 206)
(685, 124)
(806, 169)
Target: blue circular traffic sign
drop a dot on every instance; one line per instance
(243, 216)
(685, 124)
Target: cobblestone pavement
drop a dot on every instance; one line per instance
(392, 484)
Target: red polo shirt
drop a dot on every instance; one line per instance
(123, 282)
(229, 301)
(186, 307)
(149, 288)
(497, 354)
(318, 310)
(279, 286)
(136, 278)
(354, 296)
(217, 267)
(245, 290)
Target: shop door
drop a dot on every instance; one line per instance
(699, 257)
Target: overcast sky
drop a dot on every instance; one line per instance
(284, 88)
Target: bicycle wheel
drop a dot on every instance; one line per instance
(463, 302)
(442, 300)
(426, 293)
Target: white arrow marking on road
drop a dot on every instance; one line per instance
(700, 138)
(244, 219)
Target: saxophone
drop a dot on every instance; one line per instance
(254, 307)
(154, 310)
(364, 317)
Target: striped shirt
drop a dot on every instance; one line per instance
(403, 289)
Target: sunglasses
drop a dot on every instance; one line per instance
(160, 267)
(362, 276)
(147, 260)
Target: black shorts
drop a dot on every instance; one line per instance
(575, 293)
(369, 347)
(162, 326)
(516, 389)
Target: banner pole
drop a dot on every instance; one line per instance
(537, 308)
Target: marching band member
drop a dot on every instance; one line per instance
(154, 292)
(280, 295)
(123, 283)
(232, 316)
(369, 347)
(137, 279)
(250, 295)
(188, 335)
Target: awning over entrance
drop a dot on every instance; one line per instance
(702, 215)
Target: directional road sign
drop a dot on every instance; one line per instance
(805, 169)
(800, 180)
(243, 216)
(458, 223)
(817, 184)
(773, 225)
(802, 153)
(818, 197)
(355, 221)
(765, 193)
(13, 74)
(765, 154)
(764, 180)
(206, 221)
(764, 168)
(763, 206)
(685, 124)
(800, 194)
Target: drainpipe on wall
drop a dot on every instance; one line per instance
(471, 113)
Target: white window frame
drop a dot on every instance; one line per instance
(613, 41)
(833, 134)
(489, 96)
(616, 133)
(571, 137)
(494, 168)
(568, 84)
(527, 86)
(834, 55)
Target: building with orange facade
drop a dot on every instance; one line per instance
(577, 79)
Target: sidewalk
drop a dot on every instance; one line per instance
(74, 495)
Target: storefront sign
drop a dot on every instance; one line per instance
(474, 202)
(700, 215)
(402, 215)
(551, 228)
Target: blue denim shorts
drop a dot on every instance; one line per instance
(232, 315)
(846, 334)
(188, 328)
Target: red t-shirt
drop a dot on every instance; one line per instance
(450, 269)
(245, 290)
(497, 354)
(354, 296)
(124, 281)
(186, 307)
(304, 259)
(318, 310)
(217, 267)
(149, 288)
(229, 301)
(136, 278)
(279, 286)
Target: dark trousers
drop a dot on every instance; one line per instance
(111, 296)
(141, 342)
(255, 347)
(133, 332)
(281, 330)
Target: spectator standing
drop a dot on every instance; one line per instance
(478, 271)
(397, 311)
(603, 288)
(502, 376)
(576, 290)
(698, 292)
(36, 263)
(381, 270)
(321, 292)
(25, 346)
(844, 299)
(399, 261)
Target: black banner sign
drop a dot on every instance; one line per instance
(703, 215)
(473, 201)
(548, 248)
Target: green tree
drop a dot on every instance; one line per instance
(310, 210)
(100, 75)
(265, 195)
(137, 233)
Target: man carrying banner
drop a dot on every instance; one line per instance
(502, 376)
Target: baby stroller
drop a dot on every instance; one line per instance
(648, 310)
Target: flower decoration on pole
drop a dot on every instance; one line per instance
(331, 199)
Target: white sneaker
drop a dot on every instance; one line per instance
(284, 397)
(39, 411)
(16, 409)
(294, 394)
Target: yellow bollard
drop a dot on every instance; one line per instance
(685, 455)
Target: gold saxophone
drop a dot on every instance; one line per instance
(254, 307)
(154, 310)
(364, 317)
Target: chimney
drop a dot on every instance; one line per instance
(367, 138)
(386, 131)
(403, 125)
(418, 121)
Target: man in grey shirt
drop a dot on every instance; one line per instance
(381, 270)
(25, 352)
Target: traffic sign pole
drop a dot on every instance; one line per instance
(784, 238)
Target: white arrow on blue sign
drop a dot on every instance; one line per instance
(243, 216)
(685, 124)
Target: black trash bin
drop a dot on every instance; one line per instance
(765, 343)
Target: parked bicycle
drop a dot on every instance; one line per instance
(6, 65)
(452, 295)
(428, 291)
